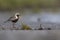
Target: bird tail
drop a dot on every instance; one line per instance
(3, 23)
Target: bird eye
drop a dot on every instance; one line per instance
(17, 15)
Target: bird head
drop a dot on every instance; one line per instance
(17, 14)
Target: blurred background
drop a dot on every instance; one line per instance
(35, 14)
(40, 20)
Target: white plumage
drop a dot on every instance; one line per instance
(13, 19)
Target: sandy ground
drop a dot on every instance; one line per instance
(30, 35)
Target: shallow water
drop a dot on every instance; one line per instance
(48, 19)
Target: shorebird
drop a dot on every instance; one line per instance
(13, 19)
(40, 24)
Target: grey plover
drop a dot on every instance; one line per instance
(14, 19)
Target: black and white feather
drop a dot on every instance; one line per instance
(14, 18)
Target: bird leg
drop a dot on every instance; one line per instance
(13, 25)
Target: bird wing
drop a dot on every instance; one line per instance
(11, 18)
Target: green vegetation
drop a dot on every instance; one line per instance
(25, 27)
(16, 4)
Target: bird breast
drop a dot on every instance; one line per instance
(16, 17)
